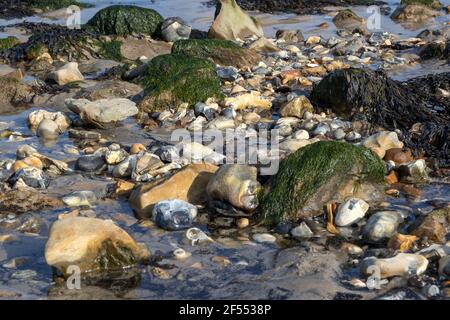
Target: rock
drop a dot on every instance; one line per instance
(402, 265)
(231, 23)
(48, 130)
(188, 184)
(109, 89)
(292, 145)
(80, 199)
(382, 226)
(115, 156)
(435, 50)
(14, 93)
(402, 106)
(30, 161)
(302, 231)
(174, 29)
(248, 100)
(381, 142)
(435, 4)
(67, 74)
(413, 13)
(237, 185)
(264, 45)
(290, 36)
(27, 200)
(31, 177)
(444, 267)
(242, 223)
(350, 212)
(434, 226)
(174, 214)
(222, 52)
(414, 171)
(174, 79)
(398, 155)
(92, 244)
(264, 238)
(351, 249)
(137, 148)
(36, 117)
(101, 113)
(321, 173)
(348, 20)
(401, 242)
(301, 135)
(90, 163)
(196, 152)
(297, 107)
(126, 20)
(125, 168)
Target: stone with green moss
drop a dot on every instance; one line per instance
(111, 50)
(435, 4)
(173, 79)
(8, 43)
(222, 52)
(318, 174)
(125, 20)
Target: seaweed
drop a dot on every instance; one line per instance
(302, 175)
(172, 79)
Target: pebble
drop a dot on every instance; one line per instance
(48, 129)
(137, 148)
(90, 163)
(242, 223)
(80, 199)
(351, 212)
(264, 238)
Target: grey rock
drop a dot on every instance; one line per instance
(174, 29)
(174, 214)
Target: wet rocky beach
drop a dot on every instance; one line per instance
(230, 149)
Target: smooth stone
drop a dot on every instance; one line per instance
(382, 141)
(301, 135)
(403, 265)
(67, 74)
(48, 130)
(302, 231)
(351, 212)
(92, 245)
(80, 199)
(297, 107)
(31, 176)
(264, 238)
(382, 225)
(175, 28)
(174, 214)
(90, 163)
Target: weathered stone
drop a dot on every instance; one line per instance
(414, 13)
(350, 212)
(297, 107)
(381, 142)
(188, 184)
(403, 265)
(93, 245)
(237, 185)
(174, 29)
(232, 23)
(247, 100)
(382, 225)
(67, 74)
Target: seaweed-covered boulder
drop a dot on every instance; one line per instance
(231, 22)
(60, 42)
(318, 174)
(125, 20)
(223, 52)
(435, 4)
(392, 105)
(173, 79)
(93, 245)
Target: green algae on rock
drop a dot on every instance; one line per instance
(173, 79)
(223, 52)
(125, 20)
(314, 175)
(8, 43)
(111, 50)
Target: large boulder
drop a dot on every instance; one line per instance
(231, 22)
(125, 20)
(348, 20)
(102, 113)
(392, 105)
(414, 13)
(91, 244)
(222, 52)
(237, 185)
(173, 79)
(318, 174)
(188, 184)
